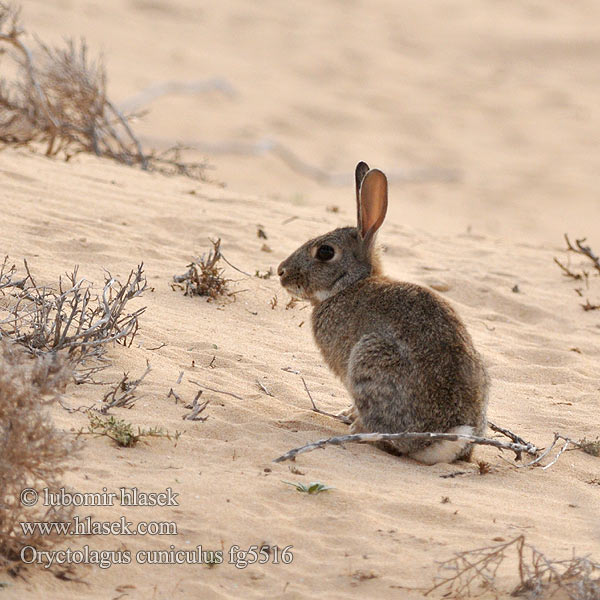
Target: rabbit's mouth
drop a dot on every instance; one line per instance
(295, 290)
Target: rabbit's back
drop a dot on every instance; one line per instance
(380, 329)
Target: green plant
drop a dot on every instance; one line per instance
(590, 446)
(314, 487)
(122, 432)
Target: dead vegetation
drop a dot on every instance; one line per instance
(123, 393)
(581, 273)
(475, 572)
(32, 451)
(70, 318)
(58, 98)
(197, 408)
(204, 277)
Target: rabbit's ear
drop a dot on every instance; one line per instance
(372, 205)
(362, 168)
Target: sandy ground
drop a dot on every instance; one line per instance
(502, 98)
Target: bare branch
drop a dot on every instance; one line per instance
(509, 434)
(518, 449)
(196, 409)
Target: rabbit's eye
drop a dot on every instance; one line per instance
(325, 252)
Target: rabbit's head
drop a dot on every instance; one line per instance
(325, 265)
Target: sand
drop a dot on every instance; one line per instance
(501, 99)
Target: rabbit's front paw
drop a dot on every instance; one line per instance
(357, 425)
(350, 413)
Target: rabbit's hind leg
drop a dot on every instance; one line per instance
(378, 379)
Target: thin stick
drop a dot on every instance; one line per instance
(557, 436)
(263, 388)
(543, 455)
(290, 370)
(175, 395)
(157, 347)
(234, 267)
(509, 434)
(568, 271)
(215, 390)
(518, 449)
(341, 418)
(566, 444)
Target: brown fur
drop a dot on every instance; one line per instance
(401, 350)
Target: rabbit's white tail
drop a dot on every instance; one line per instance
(444, 451)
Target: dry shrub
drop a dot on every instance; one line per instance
(58, 98)
(32, 451)
(70, 317)
(204, 277)
(591, 447)
(475, 572)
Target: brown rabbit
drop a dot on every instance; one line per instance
(400, 349)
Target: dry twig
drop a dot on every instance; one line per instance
(263, 387)
(339, 417)
(175, 395)
(123, 393)
(215, 390)
(196, 409)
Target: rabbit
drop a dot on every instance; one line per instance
(400, 349)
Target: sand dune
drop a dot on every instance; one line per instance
(503, 95)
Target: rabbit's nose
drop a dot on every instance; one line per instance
(281, 270)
